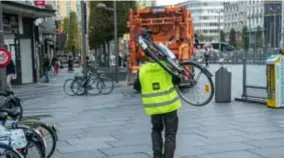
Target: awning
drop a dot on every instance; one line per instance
(19, 8)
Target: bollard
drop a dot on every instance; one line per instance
(223, 83)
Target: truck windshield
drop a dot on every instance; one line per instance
(166, 51)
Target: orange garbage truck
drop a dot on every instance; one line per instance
(165, 21)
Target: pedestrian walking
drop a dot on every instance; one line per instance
(46, 68)
(161, 102)
(11, 74)
(55, 64)
(70, 64)
(206, 57)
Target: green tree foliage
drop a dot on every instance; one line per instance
(245, 38)
(101, 22)
(232, 38)
(65, 25)
(73, 40)
(258, 37)
(222, 34)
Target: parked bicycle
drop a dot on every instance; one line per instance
(35, 131)
(94, 83)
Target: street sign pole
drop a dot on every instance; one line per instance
(2, 69)
(116, 41)
(84, 44)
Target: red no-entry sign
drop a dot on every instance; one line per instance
(5, 57)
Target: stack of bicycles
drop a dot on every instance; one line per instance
(94, 83)
(23, 137)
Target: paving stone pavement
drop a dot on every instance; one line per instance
(115, 126)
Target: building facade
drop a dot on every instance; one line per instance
(257, 15)
(65, 7)
(207, 17)
(282, 27)
(234, 16)
(272, 23)
(22, 37)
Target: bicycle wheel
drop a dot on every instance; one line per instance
(106, 84)
(77, 87)
(33, 149)
(8, 152)
(93, 87)
(50, 137)
(197, 81)
(67, 87)
(35, 140)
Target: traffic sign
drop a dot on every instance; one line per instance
(5, 57)
(39, 3)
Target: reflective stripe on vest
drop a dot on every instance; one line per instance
(158, 93)
(162, 103)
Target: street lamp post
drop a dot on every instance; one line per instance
(114, 10)
(219, 30)
(84, 42)
(2, 69)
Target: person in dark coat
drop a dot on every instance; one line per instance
(70, 64)
(207, 57)
(46, 68)
(55, 65)
(11, 73)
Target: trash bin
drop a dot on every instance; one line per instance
(223, 83)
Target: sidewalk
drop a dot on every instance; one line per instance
(115, 126)
(41, 89)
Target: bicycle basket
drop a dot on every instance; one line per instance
(17, 136)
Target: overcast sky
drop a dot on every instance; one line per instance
(169, 2)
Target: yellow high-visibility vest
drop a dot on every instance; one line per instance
(159, 95)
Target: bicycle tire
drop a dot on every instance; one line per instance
(31, 135)
(102, 81)
(12, 152)
(35, 124)
(80, 90)
(37, 145)
(96, 86)
(208, 76)
(65, 87)
(54, 138)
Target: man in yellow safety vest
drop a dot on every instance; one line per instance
(161, 102)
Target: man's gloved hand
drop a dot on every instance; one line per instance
(176, 80)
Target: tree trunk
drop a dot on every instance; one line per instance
(104, 54)
(108, 59)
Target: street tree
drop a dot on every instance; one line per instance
(222, 35)
(245, 38)
(232, 38)
(258, 37)
(101, 29)
(72, 42)
(65, 25)
(101, 23)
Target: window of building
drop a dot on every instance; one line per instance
(205, 18)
